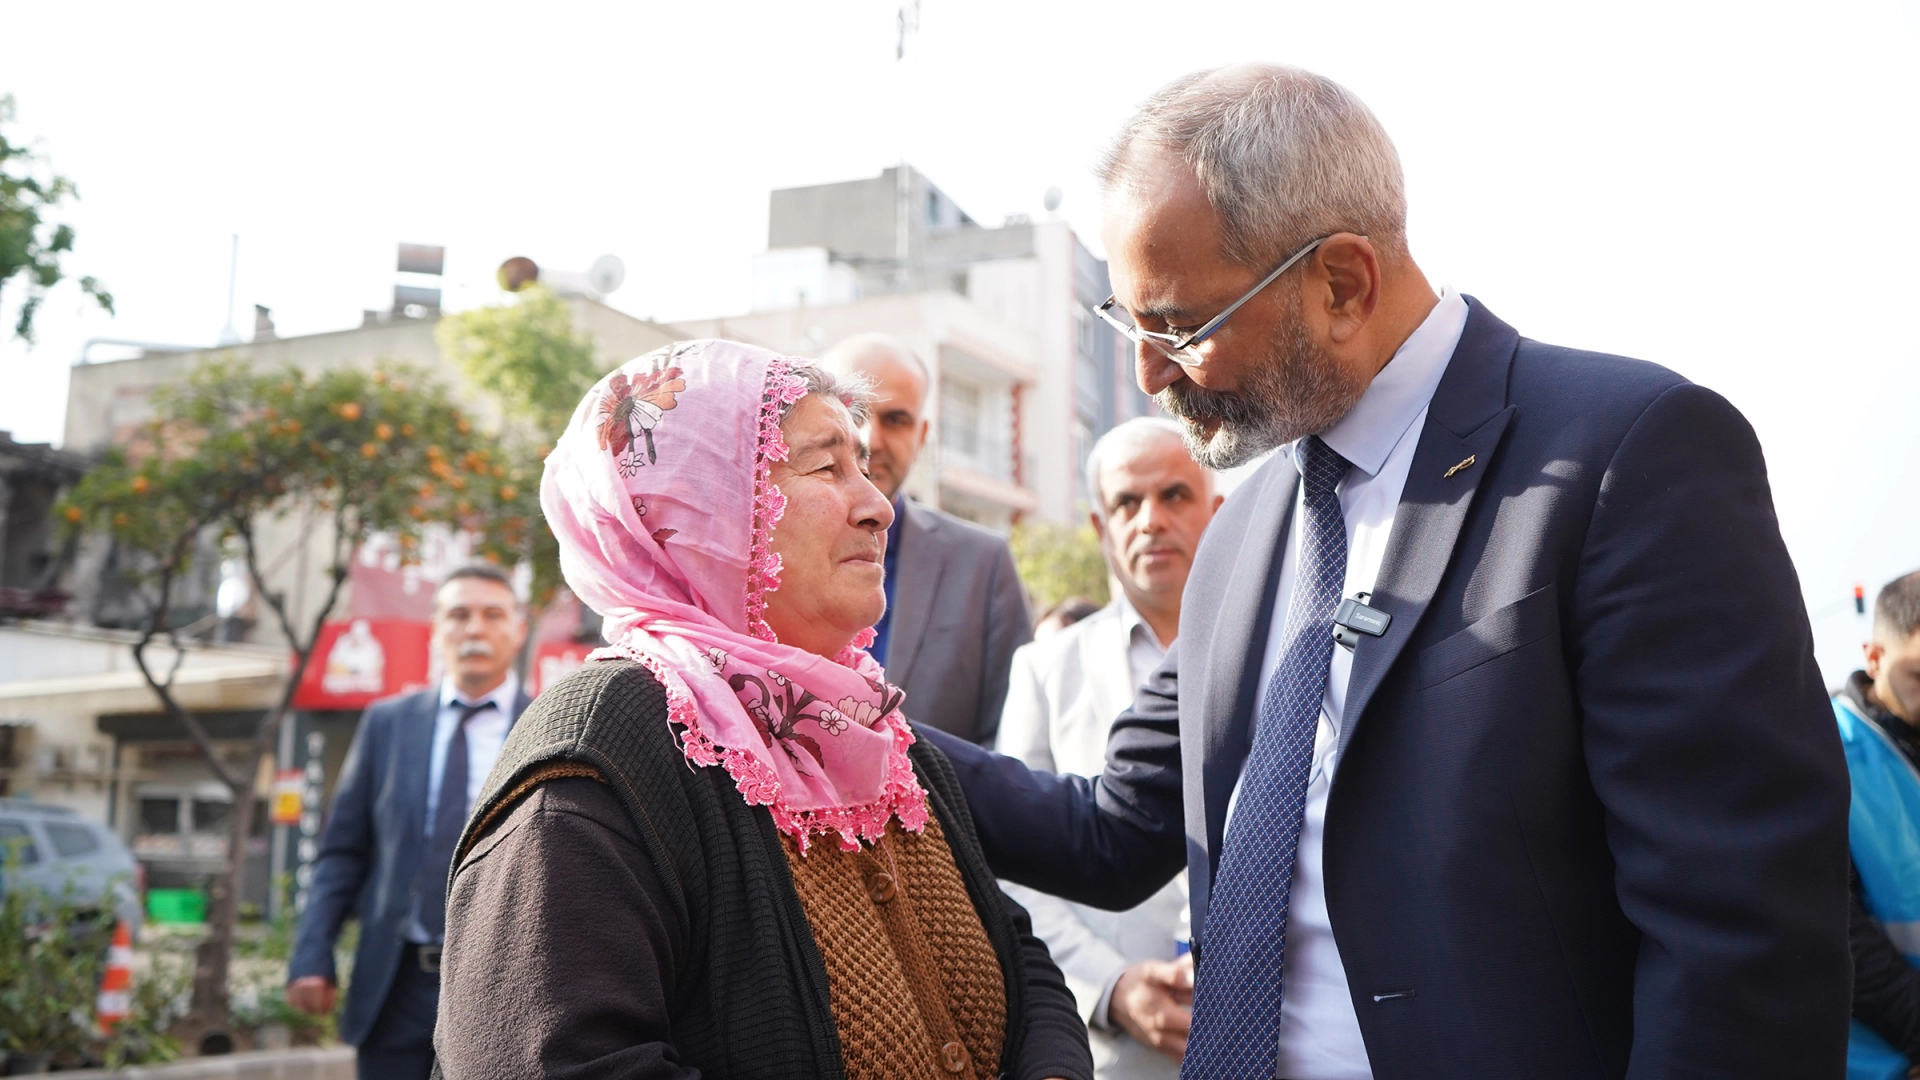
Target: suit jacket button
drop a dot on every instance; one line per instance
(880, 887)
(954, 1056)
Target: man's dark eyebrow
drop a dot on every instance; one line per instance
(1167, 313)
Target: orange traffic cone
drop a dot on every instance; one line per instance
(117, 986)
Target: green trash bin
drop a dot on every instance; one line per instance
(176, 906)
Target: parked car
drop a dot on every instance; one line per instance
(60, 852)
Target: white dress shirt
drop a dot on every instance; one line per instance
(1319, 1031)
(486, 734)
(1063, 695)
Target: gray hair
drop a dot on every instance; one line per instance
(1284, 156)
(1129, 435)
(853, 389)
(846, 354)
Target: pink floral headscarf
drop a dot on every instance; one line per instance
(660, 497)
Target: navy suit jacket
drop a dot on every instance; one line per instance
(1590, 819)
(371, 853)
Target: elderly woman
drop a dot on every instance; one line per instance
(718, 849)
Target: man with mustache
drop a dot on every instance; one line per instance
(1152, 502)
(415, 766)
(1493, 742)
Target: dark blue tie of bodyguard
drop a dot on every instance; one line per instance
(1236, 1006)
(449, 818)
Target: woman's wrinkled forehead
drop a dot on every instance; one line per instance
(821, 423)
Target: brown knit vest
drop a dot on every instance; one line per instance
(915, 987)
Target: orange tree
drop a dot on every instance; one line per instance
(352, 452)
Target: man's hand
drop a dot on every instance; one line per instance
(312, 994)
(1153, 1001)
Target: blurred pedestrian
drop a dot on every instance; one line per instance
(1493, 741)
(955, 606)
(1128, 970)
(1059, 617)
(1879, 714)
(411, 775)
(718, 851)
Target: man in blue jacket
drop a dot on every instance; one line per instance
(409, 780)
(1493, 742)
(1879, 713)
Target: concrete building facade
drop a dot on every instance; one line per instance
(1024, 377)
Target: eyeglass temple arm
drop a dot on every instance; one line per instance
(1213, 324)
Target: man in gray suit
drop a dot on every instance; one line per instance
(955, 608)
(409, 780)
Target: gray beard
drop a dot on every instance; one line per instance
(1298, 391)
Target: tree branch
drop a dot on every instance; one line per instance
(156, 624)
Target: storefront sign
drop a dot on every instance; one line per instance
(356, 663)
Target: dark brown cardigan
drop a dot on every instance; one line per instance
(648, 926)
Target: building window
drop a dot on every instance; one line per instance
(960, 418)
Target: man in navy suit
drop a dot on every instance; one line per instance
(1558, 794)
(409, 780)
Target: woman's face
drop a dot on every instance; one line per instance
(833, 536)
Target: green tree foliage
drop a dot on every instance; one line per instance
(383, 451)
(30, 246)
(1057, 561)
(527, 354)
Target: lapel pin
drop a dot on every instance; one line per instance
(1448, 475)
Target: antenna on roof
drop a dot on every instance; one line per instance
(228, 334)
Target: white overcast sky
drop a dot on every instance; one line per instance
(1728, 188)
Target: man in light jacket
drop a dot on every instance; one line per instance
(1128, 970)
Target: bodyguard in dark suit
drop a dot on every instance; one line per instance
(409, 780)
(1565, 799)
(955, 606)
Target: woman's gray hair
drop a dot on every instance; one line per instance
(1284, 156)
(854, 390)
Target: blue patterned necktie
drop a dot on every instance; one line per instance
(1236, 1007)
(449, 820)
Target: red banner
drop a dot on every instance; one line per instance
(358, 662)
(553, 661)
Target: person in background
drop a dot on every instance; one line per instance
(403, 798)
(1060, 616)
(1128, 970)
(1879, 714)
(955, 606)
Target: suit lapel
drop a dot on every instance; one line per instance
(1232, 662)
(919, 567)
(415, 758)
(1465, 420)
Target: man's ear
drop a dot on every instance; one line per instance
(925, 426)
(1875, 653)
(1352, 283)
(1099, 525)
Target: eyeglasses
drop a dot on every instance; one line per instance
(1179, 347)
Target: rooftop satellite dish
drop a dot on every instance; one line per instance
(606, 274)
(517, 273)
(1052, 199)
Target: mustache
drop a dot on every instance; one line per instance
(475, 648)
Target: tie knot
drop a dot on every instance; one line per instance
(467, 711)
(1321, 466)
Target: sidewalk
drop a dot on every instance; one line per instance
(334, 1063)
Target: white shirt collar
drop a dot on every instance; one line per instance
(1130, 619)
(1400, 392)
(502, 696)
